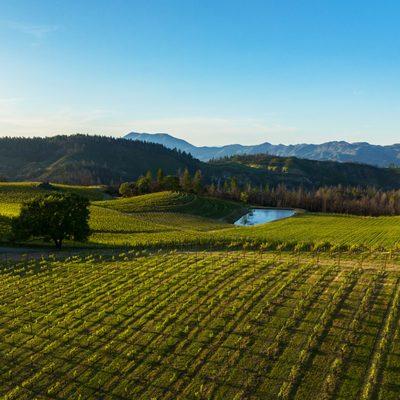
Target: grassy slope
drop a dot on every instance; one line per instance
(223, 325)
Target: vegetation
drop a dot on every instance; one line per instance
(187, 203)
(339, 200)
(94, 160)
(146, 184)
(17, 192)
(199, 325)
(53, 217)
(86, 160)
(294, 172)
(301, 308)
(184, 219)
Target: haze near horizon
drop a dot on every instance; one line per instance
(209, 73)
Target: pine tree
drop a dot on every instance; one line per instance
(197, 182)
(160, 177)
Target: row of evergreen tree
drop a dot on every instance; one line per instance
(333, 199)
(148, 184)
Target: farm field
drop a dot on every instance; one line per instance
(332, 228)
(220, 325)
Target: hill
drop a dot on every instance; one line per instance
(174, 219)
(295, 171)
(186, 203)
(94, 160)
(341, 151)
(86, 160)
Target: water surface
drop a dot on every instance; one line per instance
(262, 215)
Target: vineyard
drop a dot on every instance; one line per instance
(223, 325)
(179, 219)
(196, 308)
(184, 203)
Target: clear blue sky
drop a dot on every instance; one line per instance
(211, 72)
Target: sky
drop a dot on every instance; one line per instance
(211, 72)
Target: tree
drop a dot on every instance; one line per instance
(160, 178)
(234, 187)
(197, 182)
(149, 176)
(244, 197)
(186, 181)
(127, 189)
(171, 182)
(53, 217)
(143, 185)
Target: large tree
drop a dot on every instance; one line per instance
(53, 217)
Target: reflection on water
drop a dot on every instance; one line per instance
(262, 215)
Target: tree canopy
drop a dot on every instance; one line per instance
(53, 217)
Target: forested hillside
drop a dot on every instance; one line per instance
(86, 160)
(310, 173)
(93, 160)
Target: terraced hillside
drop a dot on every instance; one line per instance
(223, 325)
(143, 220)
(185, 203)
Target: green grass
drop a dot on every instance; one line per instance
(223, 325)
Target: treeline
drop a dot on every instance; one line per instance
(331, 199)
(184, 182)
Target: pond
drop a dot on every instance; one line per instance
(262, 215)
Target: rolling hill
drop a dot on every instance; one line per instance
(342, 151)
(86, 160)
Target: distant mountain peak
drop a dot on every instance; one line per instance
(339, 150)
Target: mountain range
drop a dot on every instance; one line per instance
(360, 152)
(88, 160)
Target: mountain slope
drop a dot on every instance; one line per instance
(81, 159)
(310, 173)
(335, 151)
